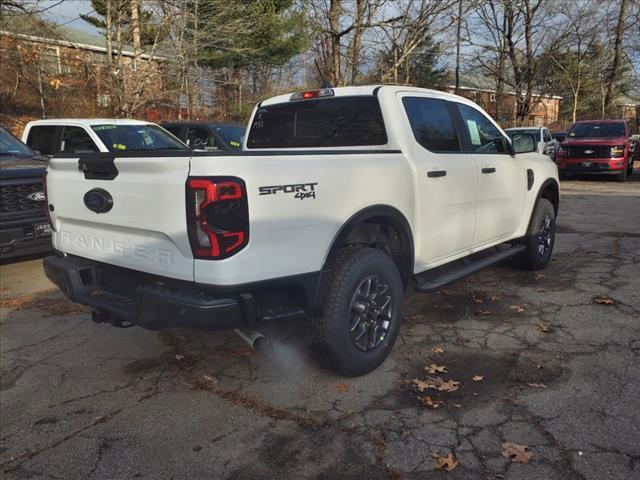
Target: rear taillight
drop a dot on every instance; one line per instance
(217, 216)
(47, 208)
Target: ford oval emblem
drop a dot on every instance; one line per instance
(98, 200)
(36, 196)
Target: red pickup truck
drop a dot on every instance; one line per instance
(599, 146)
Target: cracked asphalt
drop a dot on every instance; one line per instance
(561, 375)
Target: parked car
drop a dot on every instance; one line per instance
(546, 143)
(599, 146)
(69, 135)
(340, 197)
(559, 137)
(24, 226)
(207, 135)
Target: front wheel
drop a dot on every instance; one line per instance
(622, 176)
(540, 237)
(362, 312)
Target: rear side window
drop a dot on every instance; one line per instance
(327, 122)
(44, 138)
(77, 140)
(432, 124)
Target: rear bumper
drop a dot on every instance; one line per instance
(118, 295)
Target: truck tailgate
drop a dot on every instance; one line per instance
(144, 229)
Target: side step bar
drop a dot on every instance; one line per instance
(434, 280)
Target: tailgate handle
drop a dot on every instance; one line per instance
(98, 167)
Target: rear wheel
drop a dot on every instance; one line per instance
(361, 316)
(540, 237)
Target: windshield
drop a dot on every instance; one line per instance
(137, 138)
(597, 130)
(11, 146)
(528, 131)
(232, 135)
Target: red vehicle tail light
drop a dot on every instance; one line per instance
(47, 207)
(323, 92)
(217, 216)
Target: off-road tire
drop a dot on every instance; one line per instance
(331, 338)
(532, 258)
(630, 168)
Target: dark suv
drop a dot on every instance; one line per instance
(24, 227)
(207, 135)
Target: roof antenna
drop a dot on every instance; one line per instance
(325, 83)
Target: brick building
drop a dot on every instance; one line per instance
(62, 72)
(544, 112)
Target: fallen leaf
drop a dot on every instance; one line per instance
(477, 299)
(541, 289)
(493, 298)
(443, 292)
(436, 383)
(471, 280)
(540, 276)
(603, 301)
(537, 385)
(447, 463)
(516, 453)
(437, 350)
(414, 317)
(429, 402)
(206, 382)
(482, 312)
(342, 388)
(457, 405)
(179, 357)
(477, 378)
(544, 328)
(517, 308)
(433, 368)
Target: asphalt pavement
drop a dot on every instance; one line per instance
(547, 361)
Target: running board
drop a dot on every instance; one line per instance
(434, 280)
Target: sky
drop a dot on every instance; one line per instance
(68, 13)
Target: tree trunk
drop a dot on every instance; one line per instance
(109, 32)
(357, 41)
(135, 31)
(334, 25)
(617, 53)
(458, 34)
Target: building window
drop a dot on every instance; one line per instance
(50, 60)
(103, 100)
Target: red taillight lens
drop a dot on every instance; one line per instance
(217, 216)
(46, 200)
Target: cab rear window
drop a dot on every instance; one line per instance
(326, 122)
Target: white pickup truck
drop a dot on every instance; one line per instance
(340, 199)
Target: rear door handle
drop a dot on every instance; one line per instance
(489, 170)
(436, 173)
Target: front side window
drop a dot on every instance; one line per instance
(547, 136)
(484, 136)
(432, 125)
(44, 138)
(327, 122)
(77, 140)
(137, 138)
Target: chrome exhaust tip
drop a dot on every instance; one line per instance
(253, 338)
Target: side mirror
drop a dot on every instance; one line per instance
(524, 143)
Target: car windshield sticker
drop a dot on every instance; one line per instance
(473, 131)
(99, 128)
(119, 146)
